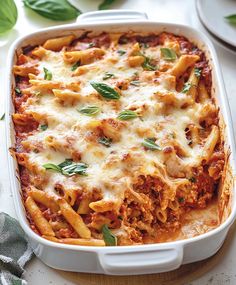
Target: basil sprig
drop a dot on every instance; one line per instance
(127, 115)
(75, 168)
(231, 19)
(197, 72)
(150, 144)
(121, 52)
(17, 90)
(75, 66)
(47, 74)
(186, 87)
(8, 15)
(105, 90)
(147, 64)
(109, 238)
(108, 75)
(68, 167)
(43, 127)
(89, 110)
(168, 54)
(57, 10)
(105, 141)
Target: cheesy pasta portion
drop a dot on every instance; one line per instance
(117, 137)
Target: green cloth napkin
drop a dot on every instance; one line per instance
(14, 251)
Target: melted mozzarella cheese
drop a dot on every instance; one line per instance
(110, 169)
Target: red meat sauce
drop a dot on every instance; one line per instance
(204, 185)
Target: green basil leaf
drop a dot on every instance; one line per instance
(74, 168)
(105, 90)
(150, 144)
(147, 65)
(68, 167)
(105, 141)
(57, 10)
(168, 54)
(144, 45)
(121, 52)
(109, 238)
(197, 72)
(43, 127)
(192, 179)
(17, 90)
(135, 82)
(47, 74)
(68, 161)
(2, 117)
(108, 75)
(127, 115)
(8, 15)
(75, 66)
(231, 19)
(52, 166)
(105, 4)
(186, 87)
(90, 45)
(89, 110)
(181, 199)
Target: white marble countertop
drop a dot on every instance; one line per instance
(217, 270)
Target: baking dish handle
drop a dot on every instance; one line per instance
(112, 15)
(132, 261)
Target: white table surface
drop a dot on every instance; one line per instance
(223, 270)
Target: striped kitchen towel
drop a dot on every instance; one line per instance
(14, 251)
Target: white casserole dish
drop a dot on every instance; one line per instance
(126, 260)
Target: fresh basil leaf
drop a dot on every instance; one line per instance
(68, 167)
(108, 75)
(109, 238)
(90, 45)
(68, 161)
(121, 52)
(8, 15)
(168, 54)
(74, 168)
(75, 66)
(57, 10)
(147, 65)
(43, 127)
(231, 19)
(144, 45)
(2, 117)
(47, 74)
(52, 166)
(127, 115)
(105, 4)
(17, 90)
(197, 72)
(181, 199)
(105, 90)
(192, 179)
(147, 62)
(150, 144)
(135, 83)
(89, 110)
(105, 141)
(186, 87)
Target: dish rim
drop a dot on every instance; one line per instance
(226, 115)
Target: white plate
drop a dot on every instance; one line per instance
(212, 13)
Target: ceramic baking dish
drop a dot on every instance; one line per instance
(127, 260)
